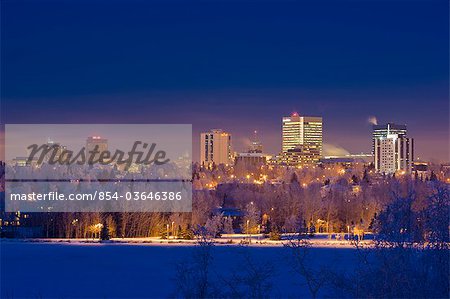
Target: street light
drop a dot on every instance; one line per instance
(173, 232)
(248, 230)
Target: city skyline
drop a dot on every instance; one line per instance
(328, 149)
(236, 69)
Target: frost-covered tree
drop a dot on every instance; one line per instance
(251, 219)
(228, 225)
(214, 225)
(409, 257)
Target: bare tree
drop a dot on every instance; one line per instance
(193, 278)
(251, 280)
(405, 260)
(299, 250)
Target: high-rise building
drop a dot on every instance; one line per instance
(386, 129)
(253, 159)
(215, 147)
(55, 151)
(96, 143)
(394, 153)
(249, 162)
(256, 145)
(302, 137)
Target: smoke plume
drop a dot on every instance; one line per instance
(373, 120)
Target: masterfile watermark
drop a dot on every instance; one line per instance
(98, 168)
(55, 155)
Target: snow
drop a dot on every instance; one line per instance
(136, 270)
(319, 240)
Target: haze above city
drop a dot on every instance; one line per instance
(238, 67)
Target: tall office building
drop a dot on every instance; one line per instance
(394, 153)
(380, 131)
(95, 143)
(253, 159)
(256, 145)
(54, 152)
(215, 147)
(302, 138)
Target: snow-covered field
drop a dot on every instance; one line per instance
(139, 270)
(319, 240)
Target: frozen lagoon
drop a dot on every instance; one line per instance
(98, 270)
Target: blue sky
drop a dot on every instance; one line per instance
(234, 65)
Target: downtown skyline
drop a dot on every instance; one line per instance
(239, 70)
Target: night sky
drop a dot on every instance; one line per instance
(238, 66)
